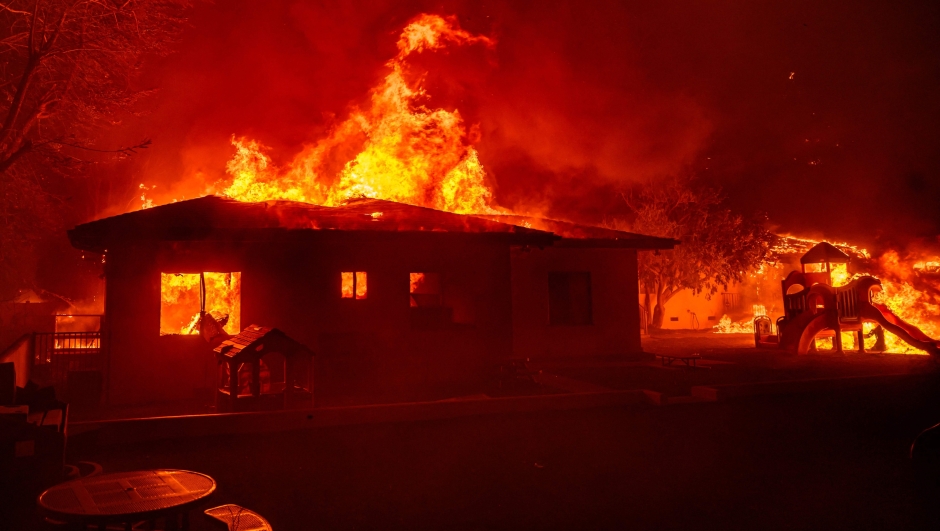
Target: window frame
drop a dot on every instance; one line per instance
(355, 285)
(440, 290)
(202, 296)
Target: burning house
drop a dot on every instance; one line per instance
(394, 300)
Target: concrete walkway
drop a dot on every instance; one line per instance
(116, 432)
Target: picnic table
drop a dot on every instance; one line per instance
(688, 359)
(127, 497)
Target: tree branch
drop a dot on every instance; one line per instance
(22, 150)
(6, 7)
(129, 150)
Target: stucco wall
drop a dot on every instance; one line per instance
(364, 346)
(692, 311)
(614, 292)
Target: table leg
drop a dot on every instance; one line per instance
(186, 521)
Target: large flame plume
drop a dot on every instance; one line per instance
(910, 289)
(398, 148)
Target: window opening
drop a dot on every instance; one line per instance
(186, 297)
(354, 285)
(815, 267)
(569, 298)
(425, 290)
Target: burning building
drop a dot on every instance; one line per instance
(394, 300)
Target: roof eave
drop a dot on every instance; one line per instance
(640, 244)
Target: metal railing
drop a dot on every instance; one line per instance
(58, 353)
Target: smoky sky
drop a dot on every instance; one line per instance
(823, 115)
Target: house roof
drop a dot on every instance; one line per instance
(214, 217)
(575, 235)
(824, 252)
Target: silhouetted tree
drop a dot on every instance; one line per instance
(717, 246)
(68, 68)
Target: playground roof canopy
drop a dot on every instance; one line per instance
(824, 252)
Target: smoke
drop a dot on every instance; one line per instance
(820, 115)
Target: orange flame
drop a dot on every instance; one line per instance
(900, 281)
(416, 280)
(406, 152)
(745, 326)
(353, 284)
(180, 304)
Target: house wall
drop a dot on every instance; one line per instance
(688, 311)
(614, 292)
(363, 347)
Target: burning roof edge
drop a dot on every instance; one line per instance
(577, 235)
(212, 217)
(824, 252)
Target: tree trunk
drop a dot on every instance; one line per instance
(659, 311)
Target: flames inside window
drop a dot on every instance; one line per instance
(815, 267)
(425, 289)
(181, 301)
(354, 285)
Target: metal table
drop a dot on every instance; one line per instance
(128, 497)
(688, 359)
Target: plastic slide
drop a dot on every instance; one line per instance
(799, 333)
(909, 333)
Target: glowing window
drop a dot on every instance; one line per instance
(181, 301)
(815, 268)
(425, 289)
(354, 285)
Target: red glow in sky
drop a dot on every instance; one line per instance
(822, 115)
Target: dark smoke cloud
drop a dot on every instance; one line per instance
(581, 99)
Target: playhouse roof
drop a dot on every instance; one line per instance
(256, 341)
(214, 217)
(824, 252)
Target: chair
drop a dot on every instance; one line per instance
(238, 518)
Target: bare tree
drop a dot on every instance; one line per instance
(68, 70)
(717, 247)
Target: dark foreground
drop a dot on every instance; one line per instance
(820, 461)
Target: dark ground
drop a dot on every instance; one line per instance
(830, 460)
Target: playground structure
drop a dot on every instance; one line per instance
(813, 308)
